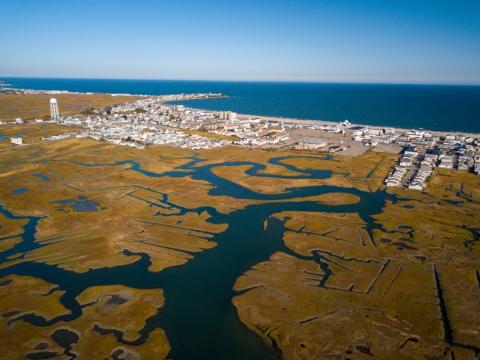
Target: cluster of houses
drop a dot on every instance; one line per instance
(396, 176)
(143, 123)
(125, 132)
(150, 122)
(414, 169)
(424, 171)
(423, 151)
(253, 131)
(449, 152)
(6, 89)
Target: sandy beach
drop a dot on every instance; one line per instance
(326, 122)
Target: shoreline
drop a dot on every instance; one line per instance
(242, 116)
(326, 122)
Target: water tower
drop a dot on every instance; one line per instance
(54, 114)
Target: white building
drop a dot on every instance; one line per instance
(16, 140)
(312, 143)
(476, 169)
(72, 121)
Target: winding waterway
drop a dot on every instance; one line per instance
(199, 317)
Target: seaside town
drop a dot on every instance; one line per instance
(153, 120)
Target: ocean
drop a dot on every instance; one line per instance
(433, 107)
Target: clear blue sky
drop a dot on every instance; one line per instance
(432, 41)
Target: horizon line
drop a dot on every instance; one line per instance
(349, 82)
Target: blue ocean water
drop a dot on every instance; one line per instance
(434, 107)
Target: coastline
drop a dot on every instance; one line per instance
(434, 108)
(243, 116)
(327, 122)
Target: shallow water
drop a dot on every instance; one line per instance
(80, 204)
(19, 191)
(42, 177)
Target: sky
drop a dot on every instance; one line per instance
(384, 41)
